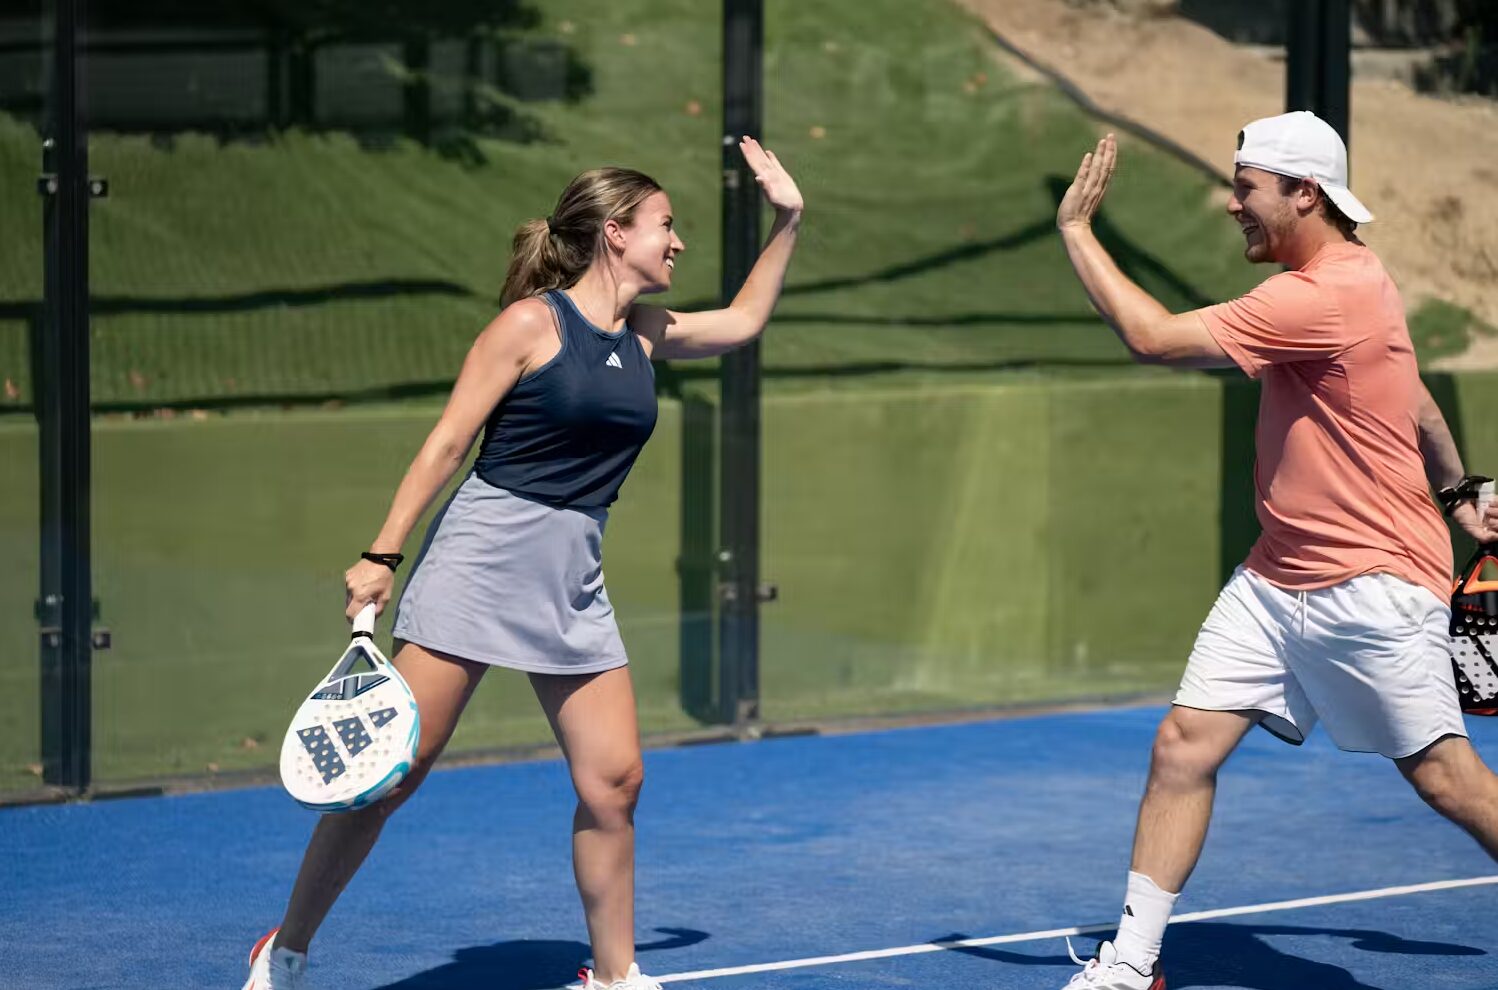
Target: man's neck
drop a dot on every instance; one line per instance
(1308, 242)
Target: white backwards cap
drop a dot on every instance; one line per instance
(1302, 146)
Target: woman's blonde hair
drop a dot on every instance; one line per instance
(553, 253)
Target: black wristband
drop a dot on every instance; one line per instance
(390, 560)
(1463, 491)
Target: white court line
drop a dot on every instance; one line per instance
(911, 950)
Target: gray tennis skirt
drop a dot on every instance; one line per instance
(513, 583)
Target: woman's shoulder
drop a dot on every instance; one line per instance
(524, 318)
(520, 329)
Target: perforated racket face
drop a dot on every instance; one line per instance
(354, 738)
(1474, 653)
(1473, 650)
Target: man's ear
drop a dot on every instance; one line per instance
(1307, 194)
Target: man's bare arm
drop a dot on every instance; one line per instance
(1443, 468)
(1443, 462)
(1151, 332)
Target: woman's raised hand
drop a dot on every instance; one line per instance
(776, 183)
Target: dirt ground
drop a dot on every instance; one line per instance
(1426, 166)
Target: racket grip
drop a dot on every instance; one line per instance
(1484, 498)
(364, 622)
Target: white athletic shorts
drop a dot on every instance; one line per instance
(1369, 657)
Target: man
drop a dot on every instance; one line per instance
(1340, 612)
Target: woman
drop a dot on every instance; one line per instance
(510, 574)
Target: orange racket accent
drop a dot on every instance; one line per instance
(1468, 583)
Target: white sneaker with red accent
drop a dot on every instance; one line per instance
(1106, 971)
(270, 972)
(633, 980)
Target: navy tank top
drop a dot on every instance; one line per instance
(568, 432)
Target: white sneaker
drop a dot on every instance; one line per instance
(633, 980)
(268, 973)
(1107, 972)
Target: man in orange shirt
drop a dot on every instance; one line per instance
(1340, 613)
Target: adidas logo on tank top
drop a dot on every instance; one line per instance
(613, 361)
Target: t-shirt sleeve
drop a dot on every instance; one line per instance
(1287, 318)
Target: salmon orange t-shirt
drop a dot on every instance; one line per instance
(1340, 481)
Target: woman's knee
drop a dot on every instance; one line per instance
(403, 792)
(610, 795)
(428, 748)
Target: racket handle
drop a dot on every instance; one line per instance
(364, 622)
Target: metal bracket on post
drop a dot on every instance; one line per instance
(101, 638)
(766, 591)
(47, 185)
(49, 620)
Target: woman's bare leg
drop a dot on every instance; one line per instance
(442, 685)
(593, 716)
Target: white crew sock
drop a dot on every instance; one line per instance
(295, 962)
(1142, 927)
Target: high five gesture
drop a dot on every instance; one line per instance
(1081, 202)
(673, 334)
(776, 183)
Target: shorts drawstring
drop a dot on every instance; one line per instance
(1300, 606)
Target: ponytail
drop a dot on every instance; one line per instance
(540, 261)
(555, 252)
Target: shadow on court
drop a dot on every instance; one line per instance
(527, 964)
(1213, 954)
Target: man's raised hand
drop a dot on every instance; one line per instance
(1081, 202)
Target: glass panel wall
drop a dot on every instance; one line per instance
(956, 512)
(24, 31)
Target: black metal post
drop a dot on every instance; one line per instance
(276, 44)
(301, 80)
(1318, 61)
(65, 608)
(738, 555)
(416, 91)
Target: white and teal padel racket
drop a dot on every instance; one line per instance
(354, 738)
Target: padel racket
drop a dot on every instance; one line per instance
(1474, 634)
(354, 738)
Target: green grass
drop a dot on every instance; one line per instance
(1441, 329)
(309, 266)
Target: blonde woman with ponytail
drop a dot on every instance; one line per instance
(510, 574)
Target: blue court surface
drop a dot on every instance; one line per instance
(847, 856)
